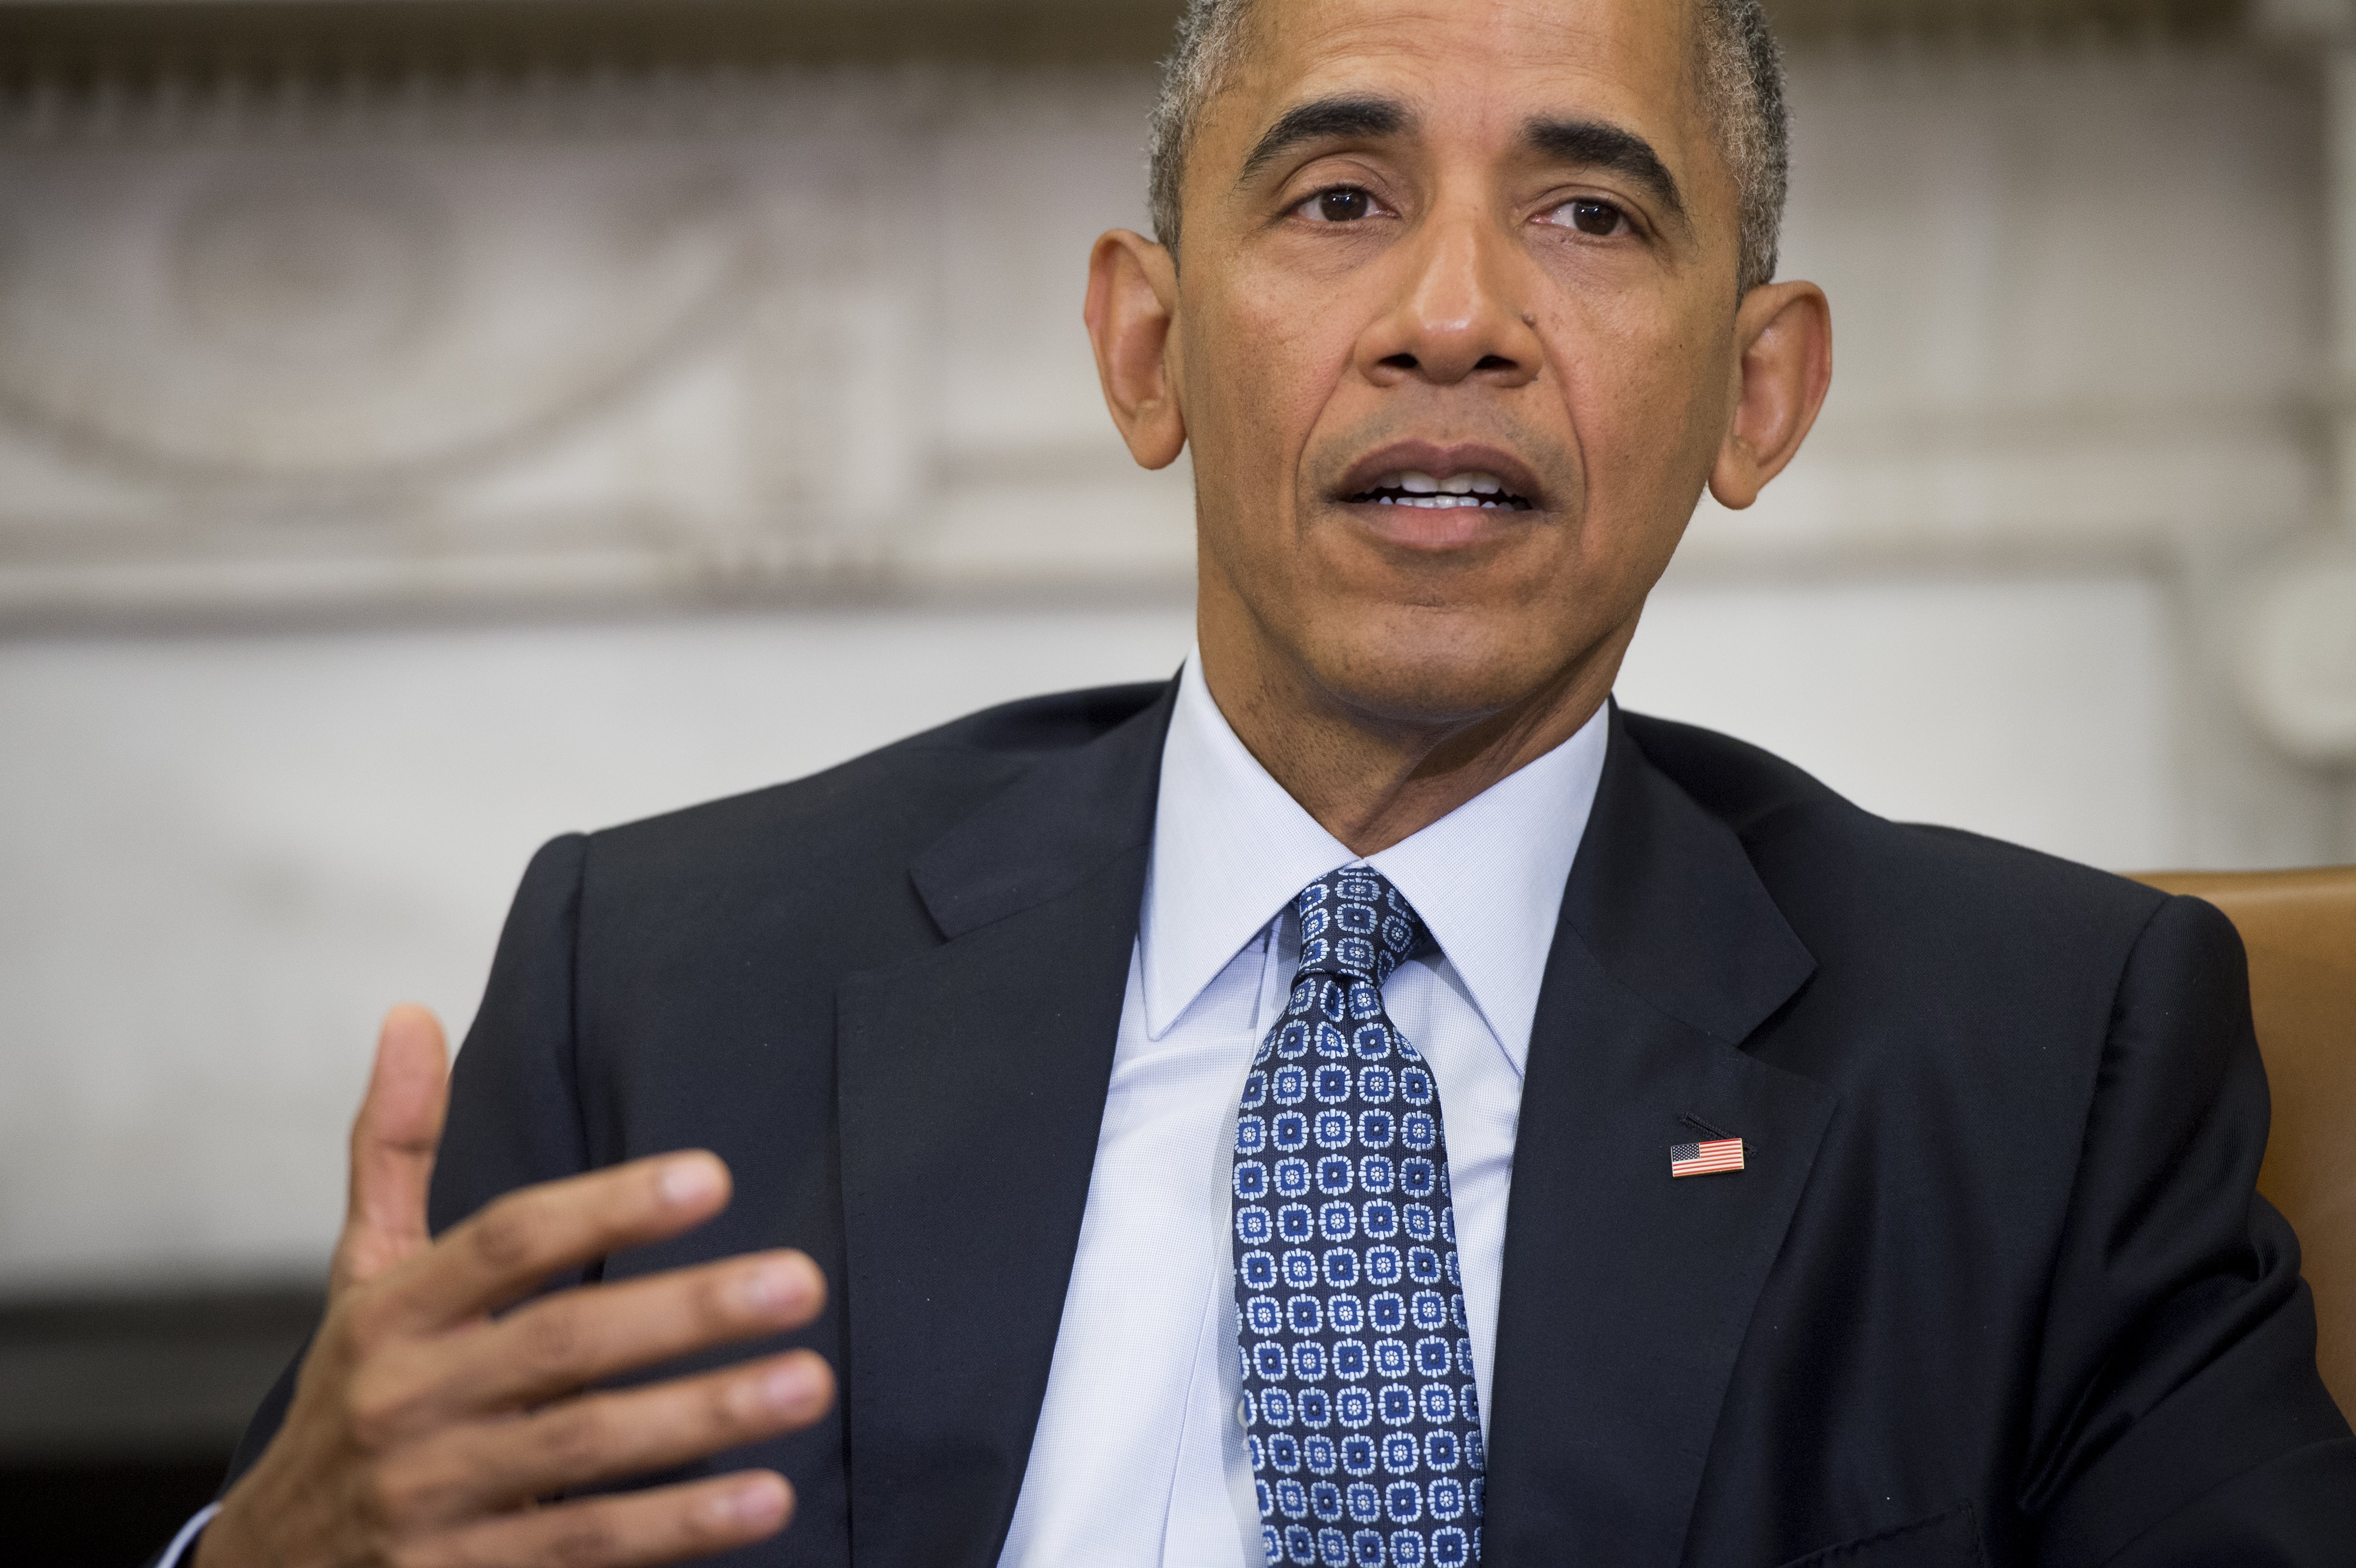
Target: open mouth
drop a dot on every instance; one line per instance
(1412, 488)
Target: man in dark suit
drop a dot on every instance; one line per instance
(1368, 1101)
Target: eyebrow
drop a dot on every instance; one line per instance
(1326, 120)
(1592, 143)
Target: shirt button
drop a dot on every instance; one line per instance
(1243, 1414)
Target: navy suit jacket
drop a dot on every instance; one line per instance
(1993, 1287)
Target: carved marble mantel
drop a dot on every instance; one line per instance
(606, 339)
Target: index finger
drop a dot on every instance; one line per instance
(512, 1246)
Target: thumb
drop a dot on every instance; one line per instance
(393, 1140)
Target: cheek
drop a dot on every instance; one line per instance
(1278, 362)
(1643, 388)
(1290, 356)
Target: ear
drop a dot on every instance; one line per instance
(1132, 299)
(1786, 333)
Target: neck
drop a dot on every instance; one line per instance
(1372, 778)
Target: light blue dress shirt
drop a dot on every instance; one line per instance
(1139, 1458)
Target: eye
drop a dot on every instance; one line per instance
(1588, 216)
(1343, 204)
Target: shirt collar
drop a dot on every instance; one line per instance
(1231, 850)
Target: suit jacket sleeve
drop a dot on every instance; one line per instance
(2179, 1419)
(515, 1092)
(515, 1116)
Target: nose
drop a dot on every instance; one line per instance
(1455, 315)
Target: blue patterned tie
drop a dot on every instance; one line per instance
(1357, 1367)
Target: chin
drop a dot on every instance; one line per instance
(1421, 669)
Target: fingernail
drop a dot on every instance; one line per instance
(755, 1502)
(685, 1182)
(767, 1287)
(784, 1387)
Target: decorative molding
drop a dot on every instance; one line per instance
(418, 345)
(315, 327)
(626, 341)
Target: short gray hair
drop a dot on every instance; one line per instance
(1741, 73)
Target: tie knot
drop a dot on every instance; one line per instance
(1354, 923)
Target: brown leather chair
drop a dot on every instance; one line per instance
(2300, 930)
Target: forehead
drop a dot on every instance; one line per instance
(1477, 67)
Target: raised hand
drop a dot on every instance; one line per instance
(424, 1430)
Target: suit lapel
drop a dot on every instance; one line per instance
(1626, 1292)
(972, 1084)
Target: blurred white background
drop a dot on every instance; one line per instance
(394, 472)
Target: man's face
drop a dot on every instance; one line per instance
(1455, 340)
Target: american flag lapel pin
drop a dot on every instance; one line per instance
(1707, 1157)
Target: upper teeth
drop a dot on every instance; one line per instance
(1442, 492)
(1416, 482)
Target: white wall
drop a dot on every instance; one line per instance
(2034, 710)
(222, 857)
